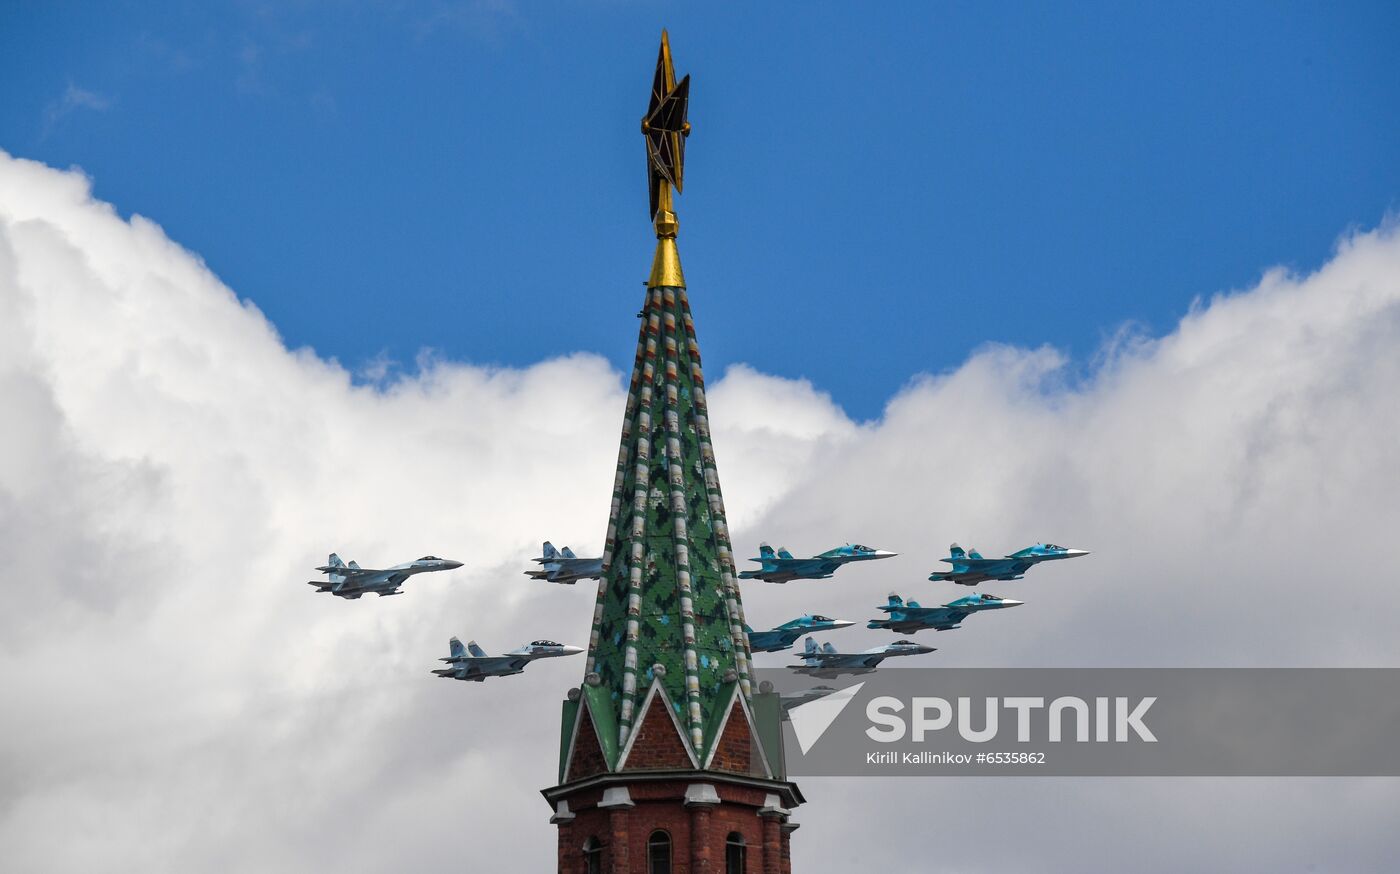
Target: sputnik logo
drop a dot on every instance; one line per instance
(811, 720)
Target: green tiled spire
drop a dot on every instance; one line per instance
(669, 595)
(668, 607)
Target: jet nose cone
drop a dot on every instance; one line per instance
(572, 650)
(1011, 602)
(841, 623)
(926, 649)
(885, 553)
(1075, 553)
(452, 565)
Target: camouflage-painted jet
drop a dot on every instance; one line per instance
(351, 581)
(780, 566)
(970, 568)
(826, 661)
(785, 635)
(562, 566)
(471, 662)
(908, 617)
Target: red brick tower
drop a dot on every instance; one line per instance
(670, 762)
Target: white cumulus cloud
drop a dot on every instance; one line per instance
(177, 698)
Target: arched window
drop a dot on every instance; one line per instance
(592, 856)
(735, 854)
(659, 853)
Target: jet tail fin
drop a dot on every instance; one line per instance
(895, 600)
(476, 650)
(353, 565)
(550, 551)
(566, 552)
(811, 646)
(333, 567)
(456, 648)
(765, 551)
(956, 551)
(783, 552)
(828, 647)
(973, 553)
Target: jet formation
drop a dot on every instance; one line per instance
(785, 635)
(562, 566)
(970, 568)
(908, 617)
(828, 661)
(350, 581)
(781, 566)
(471, 662)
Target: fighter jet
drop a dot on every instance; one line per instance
(785, 635)
(907, 618)
(351, 581)
(562, 566)
(788, 703)
(471, 662)
(970, 568)
(780, 566)
(826, 661)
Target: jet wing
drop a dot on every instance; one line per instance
(349, 573)
(973, 570)
(370, 581)
(973, 564)
(994, 567)
(489, 664)
(581, 568)
(938, 620)
(773, 641)
(837, 662)
(833, 658)
(793, 568)
(806, 566)
(965, 578)
(937, 615)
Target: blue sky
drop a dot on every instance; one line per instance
(874, 189)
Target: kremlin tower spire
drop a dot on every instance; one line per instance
(670, 758)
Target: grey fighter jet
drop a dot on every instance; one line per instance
(471, 662)
(826, 661)
(562, 566)
(351, 581)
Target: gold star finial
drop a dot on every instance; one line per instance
(665, 128)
